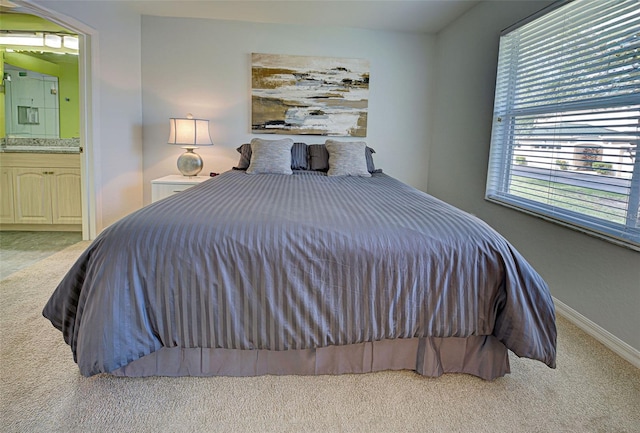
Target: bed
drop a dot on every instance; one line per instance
(302, 273)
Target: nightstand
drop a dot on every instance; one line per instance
(174, 183)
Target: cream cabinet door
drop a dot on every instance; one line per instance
(32, 195)
(65, 196)
(7, 215)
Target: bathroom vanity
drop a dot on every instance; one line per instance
(40, 189)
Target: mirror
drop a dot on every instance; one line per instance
(31, 104)
(39, 95)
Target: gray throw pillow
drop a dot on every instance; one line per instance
(347, 158)
(319, 158)
(270, 156)
(299, 158)
(370, 165)
(245, 156)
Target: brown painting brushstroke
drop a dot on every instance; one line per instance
(335, 85)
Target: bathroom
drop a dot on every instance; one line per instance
(39, 93)
(40, 176)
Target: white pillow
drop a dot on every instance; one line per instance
(347, 158)
(270, 156)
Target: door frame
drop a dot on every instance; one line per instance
(89, 109)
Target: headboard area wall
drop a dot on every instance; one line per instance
(203, 66)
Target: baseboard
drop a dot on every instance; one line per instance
(602, 335)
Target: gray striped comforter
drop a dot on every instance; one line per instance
(295, 262)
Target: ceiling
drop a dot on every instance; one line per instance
(423, 16)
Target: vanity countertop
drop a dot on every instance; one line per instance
(39, 145)
(40, 149)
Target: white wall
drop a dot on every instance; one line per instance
(118, 146)
(203, 67)
(599, 280)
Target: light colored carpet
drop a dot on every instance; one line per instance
(41, 390)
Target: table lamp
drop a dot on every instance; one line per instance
(189, 133)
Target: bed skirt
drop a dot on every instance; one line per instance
(482, 356)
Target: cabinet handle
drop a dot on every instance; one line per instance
(48, 172)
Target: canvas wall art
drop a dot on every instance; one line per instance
(309, 95)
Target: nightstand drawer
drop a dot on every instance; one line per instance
(173, 184)
(165, 190)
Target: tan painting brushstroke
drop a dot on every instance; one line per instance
(302, 95)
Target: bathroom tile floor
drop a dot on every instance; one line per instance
(21, 249)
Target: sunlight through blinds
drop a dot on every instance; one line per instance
(566, 125)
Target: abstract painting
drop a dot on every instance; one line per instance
(301, 95)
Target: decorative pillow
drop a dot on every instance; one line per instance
(245, 156)
(319, 158)
(347, 158)
(270, 156)
(299, 157)
(368, 153)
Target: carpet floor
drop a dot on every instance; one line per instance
(41, 390)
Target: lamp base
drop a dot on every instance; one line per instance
(190, 163)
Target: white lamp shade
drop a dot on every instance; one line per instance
(189, 132)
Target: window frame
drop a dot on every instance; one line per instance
(504, 142)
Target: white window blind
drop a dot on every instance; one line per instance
(566, 125)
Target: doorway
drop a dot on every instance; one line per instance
(82, 131)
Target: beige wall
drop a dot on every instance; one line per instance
(203, 66)
(117, 147)
(599, 280)
(207, 73)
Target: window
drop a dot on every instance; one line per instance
(566, 125)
